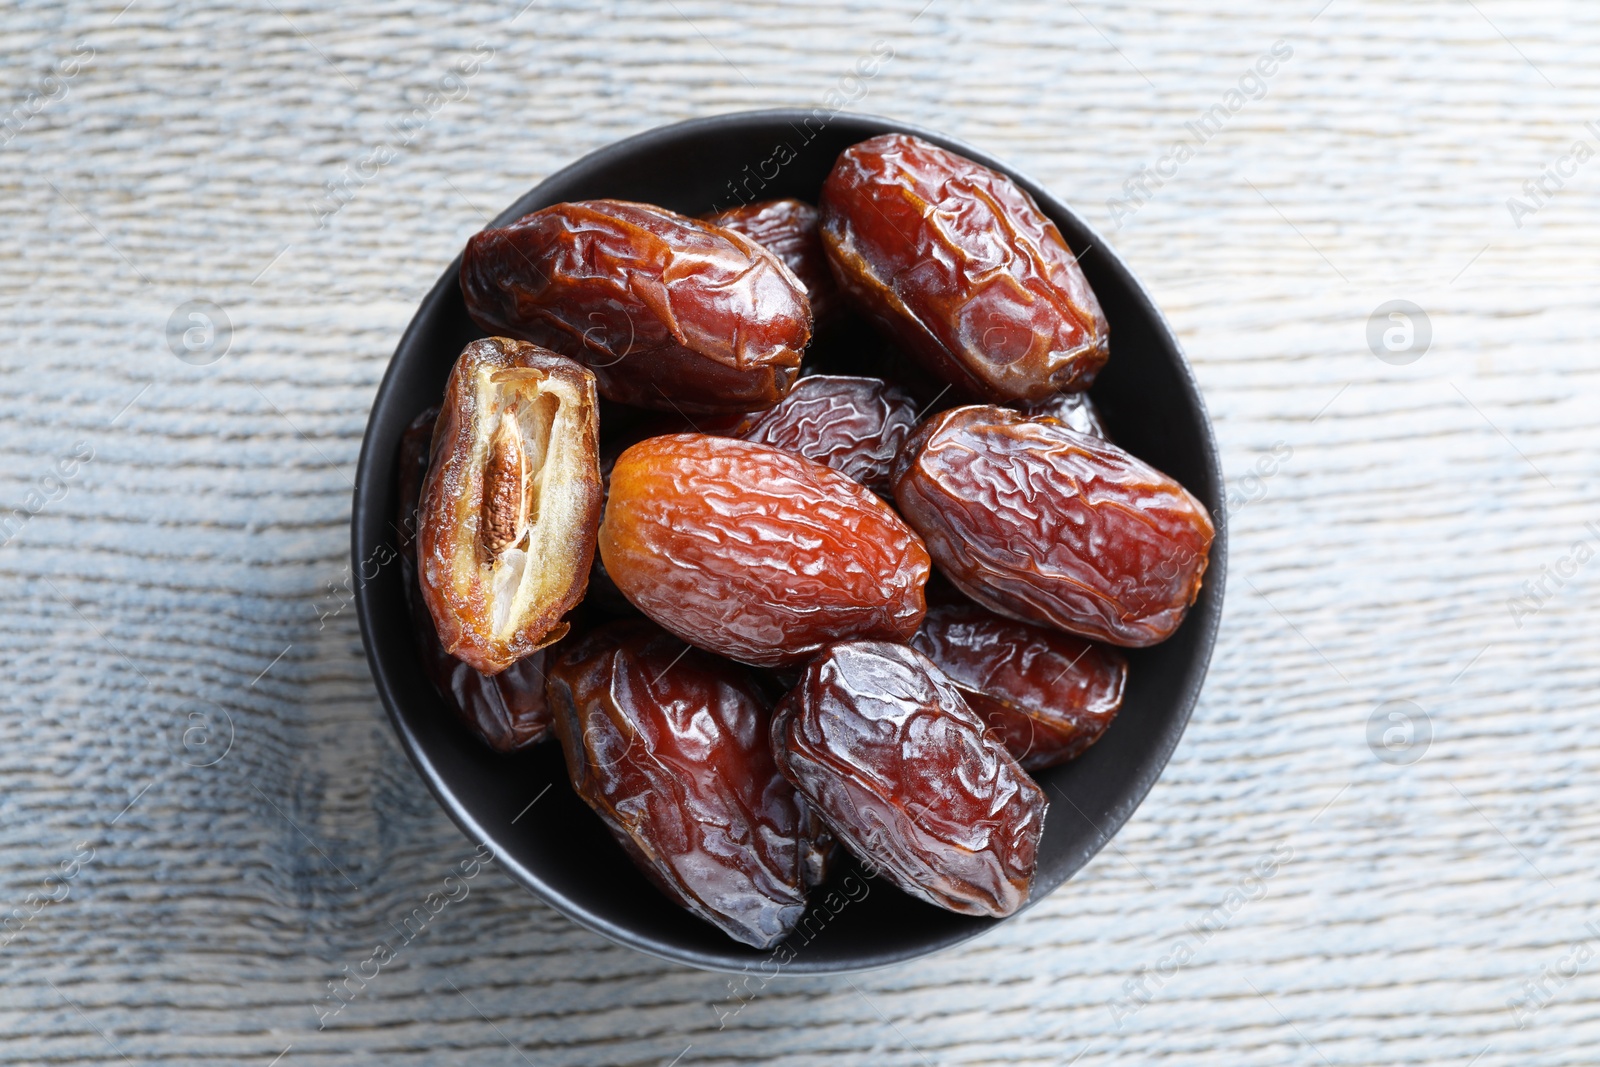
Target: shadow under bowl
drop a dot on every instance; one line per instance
(557, 847)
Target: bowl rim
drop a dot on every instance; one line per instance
(372, 468)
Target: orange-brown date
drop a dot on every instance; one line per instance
(882, 744)
(507, 711)
(669, 746)
(854, 425)
(511, 502)
(1044, 524)
(1046, 695)
(957, 264)
(788, 229)
(668, 312)
(755, 553)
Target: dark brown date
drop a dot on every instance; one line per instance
(958, 264)
(1048, 525)
(854, 425)
(788, 229)
(885, 748)
(819, 849)
(669, 746)
(1075, 411)
(757, 554)
(1046, 695)
(511, 502)
(668, 312)
(506, 710)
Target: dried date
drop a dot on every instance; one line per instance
(667, 311)
(669, 746)
(1044, 524)
(1073, 410)
(884, 747)
(1046, 695)
(854, 425)
(757, 554)
(958, 264)
(506, 710)
(511, 502)
(788, 229)
(819, 848)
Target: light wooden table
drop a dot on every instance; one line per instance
(170, 573)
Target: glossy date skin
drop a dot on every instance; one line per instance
(853, 425)
(668, 312)
(788, 229)
(1073, 410)
(1050, 526)
(819, 848)
(507, 711)
(958, 265)
(757, 554)
(885, 748)
(511, 502)
(1046, 695)
(669, 747)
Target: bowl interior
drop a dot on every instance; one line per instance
(557, 847)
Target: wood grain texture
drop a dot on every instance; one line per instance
(185, 568)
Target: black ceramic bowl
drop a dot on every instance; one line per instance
(558, 848)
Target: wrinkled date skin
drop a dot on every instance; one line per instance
(958, 265)
(1075, 411)
(511, 502)
(788, 229)
(819, 849)
(668, 312)
(885, 748)
(669, 746)
(506, 710)
(1046, 695)
(1043, 524)
(757, 554)
(854, 425)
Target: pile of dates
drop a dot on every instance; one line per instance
(654, 519)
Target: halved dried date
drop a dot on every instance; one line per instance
(1046, 695)
(788, 228)
(1048, 525)
(958, 264)
(669, 746)
(882, 744)
(1073, 410)
(854, 425)
(511, 502)
(757, 554)
(668, 312)
(506, 710)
